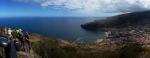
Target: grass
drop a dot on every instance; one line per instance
(50, 48)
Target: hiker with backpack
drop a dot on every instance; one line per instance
(16, 40)
(20, 37)
(24, 39)
(26, 42)
(27, 37)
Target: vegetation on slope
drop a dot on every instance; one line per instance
(49, 48)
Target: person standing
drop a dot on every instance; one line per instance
(27, 37)
(9, 33)
(16, 40)
(20, 36)
(5, 30)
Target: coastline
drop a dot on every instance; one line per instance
(103, 48)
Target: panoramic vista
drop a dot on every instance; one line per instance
(74, 28)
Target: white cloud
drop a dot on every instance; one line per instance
(96, 5)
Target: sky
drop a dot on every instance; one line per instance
(70, 8)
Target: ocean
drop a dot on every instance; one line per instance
(67, 28)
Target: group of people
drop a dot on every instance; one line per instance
(18, 36)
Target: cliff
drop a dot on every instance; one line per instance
(135, 19)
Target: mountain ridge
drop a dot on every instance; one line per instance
(134, 19)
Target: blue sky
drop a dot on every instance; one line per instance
(15, 9)
(69, 8)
